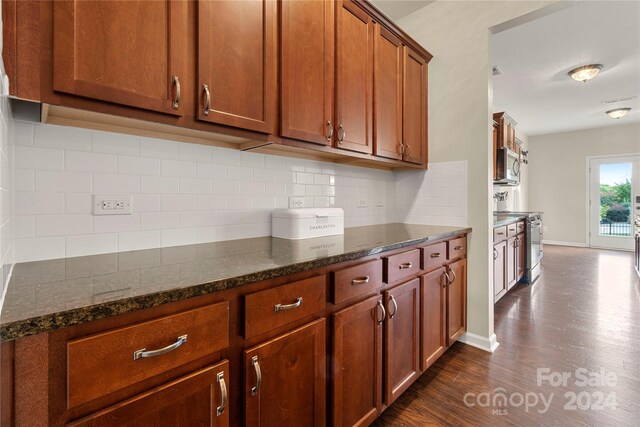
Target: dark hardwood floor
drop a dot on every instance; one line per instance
(583, 313)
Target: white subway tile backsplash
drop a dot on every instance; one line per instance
(38, 158)
(63, 225)
(103, 142)
(90, 162)
(23, 133)
(38, 203)
(159, 184)
(112, 183)
(186, 193)
(68, 182)
(116, 223)
(91, 244)
(178, 168)
(138, 165)
(39, 249)
(62, 137)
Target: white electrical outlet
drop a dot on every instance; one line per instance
(362, 203)
(296, 202)
(112, 204)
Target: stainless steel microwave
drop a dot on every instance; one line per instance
(508, 167)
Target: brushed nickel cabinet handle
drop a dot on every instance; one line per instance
(384, 312)
(143, 352)
(401, 146)
(256, 367)
(495, 254)
(207, 100)
(500, 233)
(176, 99)
(360, 280)
(405, 265)
(408, 150)
(457, 248)
(223, 394)
(281, 307)
(447, 281)
(453, 273)
(341, 134)
(395, 307)
(329, 130)
(435, 255)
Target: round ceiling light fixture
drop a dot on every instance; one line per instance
(585, 73)
(618, 113)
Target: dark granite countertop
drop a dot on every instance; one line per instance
(500, 220)
(47, 295)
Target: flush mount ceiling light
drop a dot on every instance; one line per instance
(585, 73)
(618, 113)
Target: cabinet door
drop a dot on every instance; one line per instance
(102, 51)
(415, 107)
(457, 301)
(199, 399)
(512, 262)
(354, 78)
(306, 90)
(387, 86)
(522, 253)
(402, 339)
(285, 379)
(434, 322)
(357, 363)
(237, 63)
(499, 270)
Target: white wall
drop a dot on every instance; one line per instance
(558, 176)
(460, 121)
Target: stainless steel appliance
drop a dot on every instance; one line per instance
(508, 167)
(533, 239)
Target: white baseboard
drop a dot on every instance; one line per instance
(483, 343)
(555, 242)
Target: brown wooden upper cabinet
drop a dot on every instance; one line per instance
(387, 111)
(237, 62)
(101, 51)
(415, 107)
(354, 78)
(307, 70)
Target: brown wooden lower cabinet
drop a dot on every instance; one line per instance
(199, 399)
(402, 339)
(456, 300)
(357, 363)
(285, 379)
(433, 323)
(521, 256)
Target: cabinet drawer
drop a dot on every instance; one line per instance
(457, 248)
(512, 230)
(499, 234)
(399, 266)
(520, 227)
(433, 256)
(272, 308)
(356, 281)
(106, 362)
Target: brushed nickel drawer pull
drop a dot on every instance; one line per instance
(281, 307)
(435, 255)
(457, 248)
(395, 307)
(256, 367)
(207, 100)
(500, 233)
(223, 394)
(176, 99)
(138, 354)
(405, 265)
(360, 281)
(384, 312)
